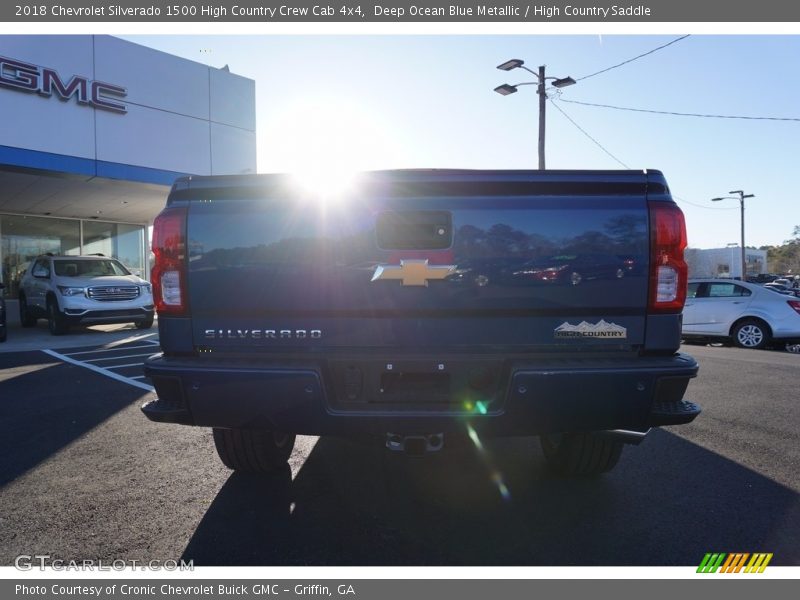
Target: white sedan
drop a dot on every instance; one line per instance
(746, 313)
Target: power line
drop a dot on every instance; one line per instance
(599, 145)
(584, 132)
(682, 201)
(630, 60)
(681, 114)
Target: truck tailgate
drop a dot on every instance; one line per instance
(411, 265)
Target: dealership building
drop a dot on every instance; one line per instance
(725, 262)
(95, 130)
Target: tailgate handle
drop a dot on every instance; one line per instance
(414, 230)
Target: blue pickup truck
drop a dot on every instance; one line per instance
(420, 305)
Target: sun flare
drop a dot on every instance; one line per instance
(325, 142)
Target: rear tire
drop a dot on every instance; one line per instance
(253, 450)
(751, 333)
(55, 320)
(26, 319)
(580, 454)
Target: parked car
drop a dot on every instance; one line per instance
(67, 290)
(762, 278)
(572, 269)
(3, 322)
(750, 315)
(567, 269)
(781, 288)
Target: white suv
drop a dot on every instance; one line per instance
(68, 290)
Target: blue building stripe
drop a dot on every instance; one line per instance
(61, 164)
(133, 173)
(46, 161)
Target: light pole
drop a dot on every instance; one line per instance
(506, 89)
(731, 246)
(740, 196)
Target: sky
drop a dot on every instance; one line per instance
(355, 102)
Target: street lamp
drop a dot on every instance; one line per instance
(730, 246)
(507, 89)
(740, 196)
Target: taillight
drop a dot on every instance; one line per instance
(795, 304)
(169, 270)
(668, 270)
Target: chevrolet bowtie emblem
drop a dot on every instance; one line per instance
(413, 272)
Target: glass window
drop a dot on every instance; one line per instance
(41, 268)
(691, 291)
(727, 290)
(100, 267)
(119, 240)
(23, 238)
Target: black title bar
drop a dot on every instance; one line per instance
(396, 11)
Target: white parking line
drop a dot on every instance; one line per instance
(137, 364)
(109, 349)
(117, 357)
(100, 370)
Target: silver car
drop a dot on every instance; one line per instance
(68, 290)
(750, 315)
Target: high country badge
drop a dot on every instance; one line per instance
(591, 330)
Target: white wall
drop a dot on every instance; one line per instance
(711, 262)
(182, 116)
(46, 124)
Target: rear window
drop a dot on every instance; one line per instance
(726, 290)
(100, 267)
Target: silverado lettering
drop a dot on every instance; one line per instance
(454, 303)
(258, 334)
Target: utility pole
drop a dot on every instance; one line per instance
(740, 196)
(542, 107)
(506, 89)
(744, 257)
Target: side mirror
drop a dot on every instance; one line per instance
(41, 273)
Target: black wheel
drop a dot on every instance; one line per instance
(580, 454)
(751, 333)
(146, 324)
(25, 316)
(253, 450)
(3, 334)
(55, 320)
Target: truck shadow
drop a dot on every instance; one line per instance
(668, 503)
(37, 417)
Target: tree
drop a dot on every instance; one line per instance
(785, 259)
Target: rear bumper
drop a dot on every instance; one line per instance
(534, 397)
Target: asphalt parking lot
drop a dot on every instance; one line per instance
(85, 476)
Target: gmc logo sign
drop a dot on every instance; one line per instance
(25, 77)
